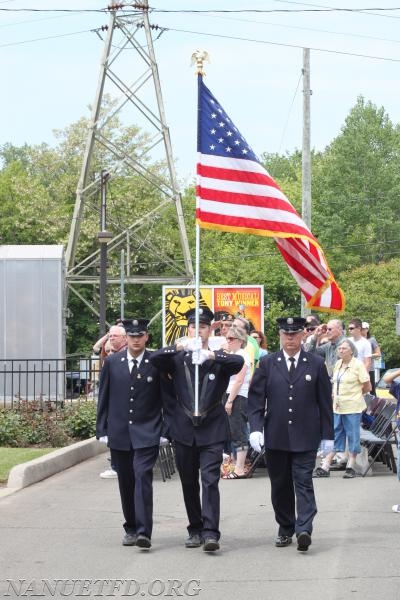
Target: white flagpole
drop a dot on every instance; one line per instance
(197, 300)
(198, 57)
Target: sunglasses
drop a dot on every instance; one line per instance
(229, 339)
(351, 328)
(311, 328)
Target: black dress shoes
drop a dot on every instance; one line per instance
(283, 540)
(210, 545)
(303, 541)
(193, 541)
(143, 542)
(129, 539)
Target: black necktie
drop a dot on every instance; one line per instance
(292, 368)
(134, 368)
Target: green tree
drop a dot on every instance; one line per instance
(371, 294)
(356, 186)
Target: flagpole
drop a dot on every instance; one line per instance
(197, 299)
(198, 57)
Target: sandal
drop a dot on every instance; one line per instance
(234, 475)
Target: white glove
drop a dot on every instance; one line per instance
(194, 344)
(199, 356)
(256, 440)
(163, 440)
(327, 446)
(103, 439)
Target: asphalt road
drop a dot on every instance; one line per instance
(68, 527)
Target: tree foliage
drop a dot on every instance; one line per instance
(355, 211)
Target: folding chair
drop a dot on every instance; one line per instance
(380, 438)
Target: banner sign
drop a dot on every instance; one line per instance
(237, 300)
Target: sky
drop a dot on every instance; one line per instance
(51, 59)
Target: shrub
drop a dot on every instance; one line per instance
(10, 427)
(80, 420)
(32, 424)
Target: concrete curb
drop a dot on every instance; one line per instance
(45, 466)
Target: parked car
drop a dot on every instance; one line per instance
(75, 384)
(382, 388)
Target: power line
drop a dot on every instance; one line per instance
(365, 11)
(273, 10)
(50, 37)
(289, 113)
(297, 46)
(316, 30)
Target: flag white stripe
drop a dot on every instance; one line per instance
(311, 264)
(243, 187)
(271, 215)
(231, 164)
(304, 284)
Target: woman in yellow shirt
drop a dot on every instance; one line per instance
(350, 381)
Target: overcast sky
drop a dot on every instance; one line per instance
(51, 64)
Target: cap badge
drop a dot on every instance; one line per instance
(289, 321)
(135, 322)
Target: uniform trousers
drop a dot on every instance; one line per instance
(203, 515)
(135, 480)
(290, 474)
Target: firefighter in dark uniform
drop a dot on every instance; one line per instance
(199, 438)
(129, 418)
(290, 397)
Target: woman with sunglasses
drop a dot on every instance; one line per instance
(261, 341)
(236, 402)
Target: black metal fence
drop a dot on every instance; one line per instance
(54, 380)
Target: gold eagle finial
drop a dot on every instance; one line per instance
(198, 58)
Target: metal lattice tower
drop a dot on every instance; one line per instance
(128, 48)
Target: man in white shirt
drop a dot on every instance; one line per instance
(364, 350)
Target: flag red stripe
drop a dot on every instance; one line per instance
(243, 198)
(236, 175)
(301, 269)
(247, 223)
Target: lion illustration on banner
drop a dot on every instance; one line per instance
(177, 304)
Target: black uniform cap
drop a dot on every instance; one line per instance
(135, 327)
(291, 324)
(205, 315)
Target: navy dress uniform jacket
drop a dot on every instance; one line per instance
(129, 410)
(213, 380)
(296, 413)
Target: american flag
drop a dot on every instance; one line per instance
(235, 193)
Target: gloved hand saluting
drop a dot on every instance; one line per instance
(200, 356)
(256, 440)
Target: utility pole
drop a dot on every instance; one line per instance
(306, 154)
(122, 293)
(104, 237)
